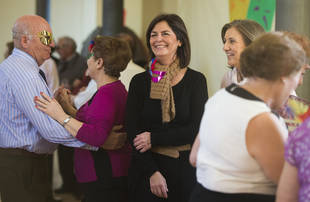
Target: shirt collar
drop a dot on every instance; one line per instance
(241, 92)
(19, 53)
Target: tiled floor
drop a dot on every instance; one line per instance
(67, 198)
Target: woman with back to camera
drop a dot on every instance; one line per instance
(236, 36)
(163, 113)
(243, 160)
(103, 173)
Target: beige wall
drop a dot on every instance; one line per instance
(9, 12)
(204, 20)
(150, 10)
(133, 16)
(74, 18)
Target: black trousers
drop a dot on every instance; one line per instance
(98, 191)
(24, 176)
(107, 188)
(200, 194)
(179, 174)
(66, 170)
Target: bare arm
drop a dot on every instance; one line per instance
(264, 140)
(289, 185)
(194, 151)
(70, 110)
(62, 95)
(115, 140)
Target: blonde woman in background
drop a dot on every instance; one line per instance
(236, 36)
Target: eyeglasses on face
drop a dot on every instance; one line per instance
(46, 37)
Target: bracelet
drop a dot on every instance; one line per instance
(66, 121)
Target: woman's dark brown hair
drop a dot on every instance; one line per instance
(178, 27)
(115, 54)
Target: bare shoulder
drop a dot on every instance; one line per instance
(263, 129)
(265, 143)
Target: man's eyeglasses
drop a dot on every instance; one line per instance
(45, 37)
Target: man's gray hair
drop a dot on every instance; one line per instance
(19, 29)
(69, 42)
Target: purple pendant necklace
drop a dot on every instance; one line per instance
(156, 75)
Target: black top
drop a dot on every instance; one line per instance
(145, 114)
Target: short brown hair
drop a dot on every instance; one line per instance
(303, 41)
(249, 30)
(178, 27)
(115, 54)
(272, 56)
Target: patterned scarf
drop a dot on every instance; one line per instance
(163, 90)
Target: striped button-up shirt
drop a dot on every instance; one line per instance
(21, 124)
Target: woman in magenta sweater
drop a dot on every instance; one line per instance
(102, 173)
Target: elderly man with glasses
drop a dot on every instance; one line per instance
(27, 135)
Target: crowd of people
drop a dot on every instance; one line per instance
(141, 127)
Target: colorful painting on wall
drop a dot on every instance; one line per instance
(262, 11)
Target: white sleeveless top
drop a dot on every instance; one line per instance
(223, 162)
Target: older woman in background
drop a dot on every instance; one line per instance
(102, 173)
(242, 161)
(294, 183)
(164, 109)
(295, 179)
(237, 35)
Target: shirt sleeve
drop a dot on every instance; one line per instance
(47, 127)
(82, 97)
(297, 144)
(101, 119)
(290, 146)
(135, 99)
(185, 134)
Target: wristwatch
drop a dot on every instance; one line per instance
(66, 121)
